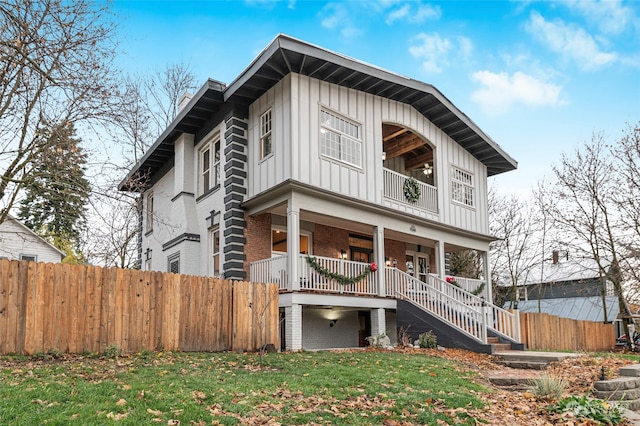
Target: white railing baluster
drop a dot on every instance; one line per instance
(394, 189)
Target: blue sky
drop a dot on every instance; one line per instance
(538, 77)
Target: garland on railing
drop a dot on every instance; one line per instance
(342, 279)
(475, 292)
(411, 190)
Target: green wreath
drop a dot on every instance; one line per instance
(411, 190)
(342, 279)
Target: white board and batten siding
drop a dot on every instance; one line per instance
(17, 240)
(296, 102)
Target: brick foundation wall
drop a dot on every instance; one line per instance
(258, 235)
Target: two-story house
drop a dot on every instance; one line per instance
(306, 169)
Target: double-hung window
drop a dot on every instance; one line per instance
(266, 147)
(462, 187)
(214, 236)
(149, 212)
(340, 139)
(209, 167)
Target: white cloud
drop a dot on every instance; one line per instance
(337, 17)
(501, 91)
(570, 41)
(413, 12)
(609, 15)
(437, 52)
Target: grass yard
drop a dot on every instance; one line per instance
(362, 387)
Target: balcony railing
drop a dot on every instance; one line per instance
(394, 190)
(274, 270)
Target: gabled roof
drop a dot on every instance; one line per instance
(26, 230)
(286, 55)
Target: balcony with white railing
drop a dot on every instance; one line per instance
(394, 189)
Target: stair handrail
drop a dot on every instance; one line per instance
(498, 320)
(467, 319)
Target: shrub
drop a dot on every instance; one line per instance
(548, 387)
(589, 408)
(404, 339)
(428, 340)
(112, 351)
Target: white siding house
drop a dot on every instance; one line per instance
(306, 169)
(17, 242)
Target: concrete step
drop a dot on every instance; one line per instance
(524, 365)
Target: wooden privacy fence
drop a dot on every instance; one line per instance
(550, 332)
(75, 308)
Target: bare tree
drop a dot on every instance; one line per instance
(627, 154)
(516, 251)
(54, 68)
(147, 106)
(587, 210)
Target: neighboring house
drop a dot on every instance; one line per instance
(17, 242)
(310, 153)
(569, 288)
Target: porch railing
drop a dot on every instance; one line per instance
(471, 285)
(274, 270)
(394, 189)
(471, 314)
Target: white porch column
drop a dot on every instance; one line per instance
(440, 259)
(293, 245)
(486, 272)
(293, 327)
(378, 250)
(378, 322)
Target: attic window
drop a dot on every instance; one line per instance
(340, 139)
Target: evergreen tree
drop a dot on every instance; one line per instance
(56, 190)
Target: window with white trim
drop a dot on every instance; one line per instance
(209, 169)
(266, 147)
(462, 187)
(173, 263)
(340, 139)
(149, 212)
(214, 244)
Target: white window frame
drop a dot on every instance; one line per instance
(307, 234)
(149, 212)
(266, 134)
(214, 252)
(171, 259)
(340, 138)
(462, 187)
(209, 170)
(29, 257)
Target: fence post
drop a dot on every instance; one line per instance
(516, 314)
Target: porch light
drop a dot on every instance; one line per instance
(343, 254)
(387, 261)
(384, 155)
(332, 323)
(427, 169)
(395, 263)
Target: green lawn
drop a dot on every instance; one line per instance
(204, 388)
